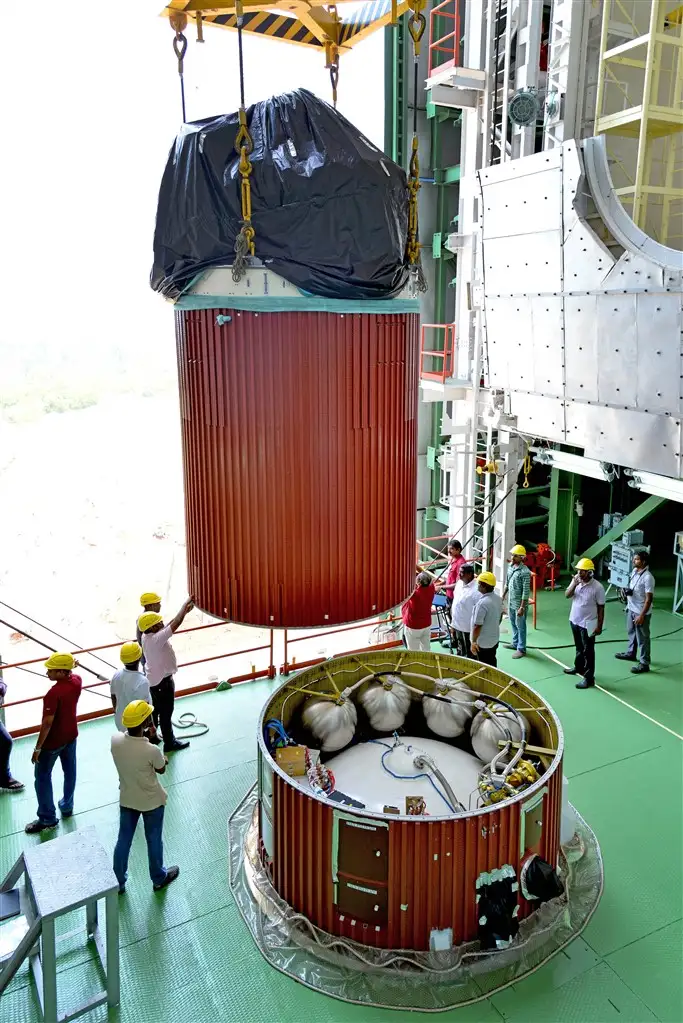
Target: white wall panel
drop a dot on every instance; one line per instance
(589, 350)
(581, 347)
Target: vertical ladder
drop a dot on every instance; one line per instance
(480, 526)
(503, 519)
(498, 84)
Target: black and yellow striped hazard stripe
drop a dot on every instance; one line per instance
(354, 25)
(355, 22)
(265, 23)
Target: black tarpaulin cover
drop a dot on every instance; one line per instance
(330, 211)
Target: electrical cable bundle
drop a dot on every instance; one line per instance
(409, 777)
(275, 735)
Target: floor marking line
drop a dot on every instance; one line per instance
(619, 700)
(611, 763)
(636, 940)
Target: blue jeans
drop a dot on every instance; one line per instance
(43, 781)
(154, 823)
(518, 625)
(5, 750)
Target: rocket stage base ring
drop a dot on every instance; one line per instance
(399, 979)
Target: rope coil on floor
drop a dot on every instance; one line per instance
(189, 720)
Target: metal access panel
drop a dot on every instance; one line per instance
(588, 346)
(621, 563)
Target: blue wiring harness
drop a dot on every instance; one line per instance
(275, 735)
(410, 777)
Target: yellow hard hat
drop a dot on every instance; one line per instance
(60, 662)
(131, 652)
(148, 619)
(518, 549)
(586, 565)
(135, 713)
(150, 598)
(488, 578)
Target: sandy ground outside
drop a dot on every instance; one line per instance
(93, 516)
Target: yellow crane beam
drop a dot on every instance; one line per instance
(313, 23)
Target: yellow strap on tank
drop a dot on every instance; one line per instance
(244, 243)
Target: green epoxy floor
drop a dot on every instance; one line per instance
(186, 956)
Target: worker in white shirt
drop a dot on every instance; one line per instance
(160, 667)
(486, 616)
(639, 596)
(130, 684)
(586, 618)
(141, 795)
(465, 596)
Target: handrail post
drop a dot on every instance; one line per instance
(271, 667)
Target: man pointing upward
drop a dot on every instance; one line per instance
(160, 667)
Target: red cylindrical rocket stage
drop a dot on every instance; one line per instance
(300, 462)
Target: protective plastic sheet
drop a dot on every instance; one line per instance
(330, 211)
(399, 979)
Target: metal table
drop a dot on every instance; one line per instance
(59, 876)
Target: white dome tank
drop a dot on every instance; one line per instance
(332, 724)
(449, 720)
(386, 703)
(491, 726)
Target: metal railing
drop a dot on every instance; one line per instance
(95, 687)
(390, 622)
(101, 687)
(444, 356)
(441, 557)
(441, 560)
(444, 50)
(293, 665)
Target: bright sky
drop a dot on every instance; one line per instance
(91, 102)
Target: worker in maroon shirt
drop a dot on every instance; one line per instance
(56, 741)
(417, 613)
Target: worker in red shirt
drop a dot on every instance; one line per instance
(417, 613)
(57, 740)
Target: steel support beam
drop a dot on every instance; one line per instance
(395, 110)
(638, 514)
(563, 523)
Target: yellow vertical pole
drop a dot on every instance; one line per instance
(676, 102)
(606, 12)
(639, 207)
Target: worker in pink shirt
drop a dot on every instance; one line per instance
(160, 667)
(455, 563)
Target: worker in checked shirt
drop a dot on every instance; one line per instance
(517, 587)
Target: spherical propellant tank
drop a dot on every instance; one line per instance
(299, 451)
